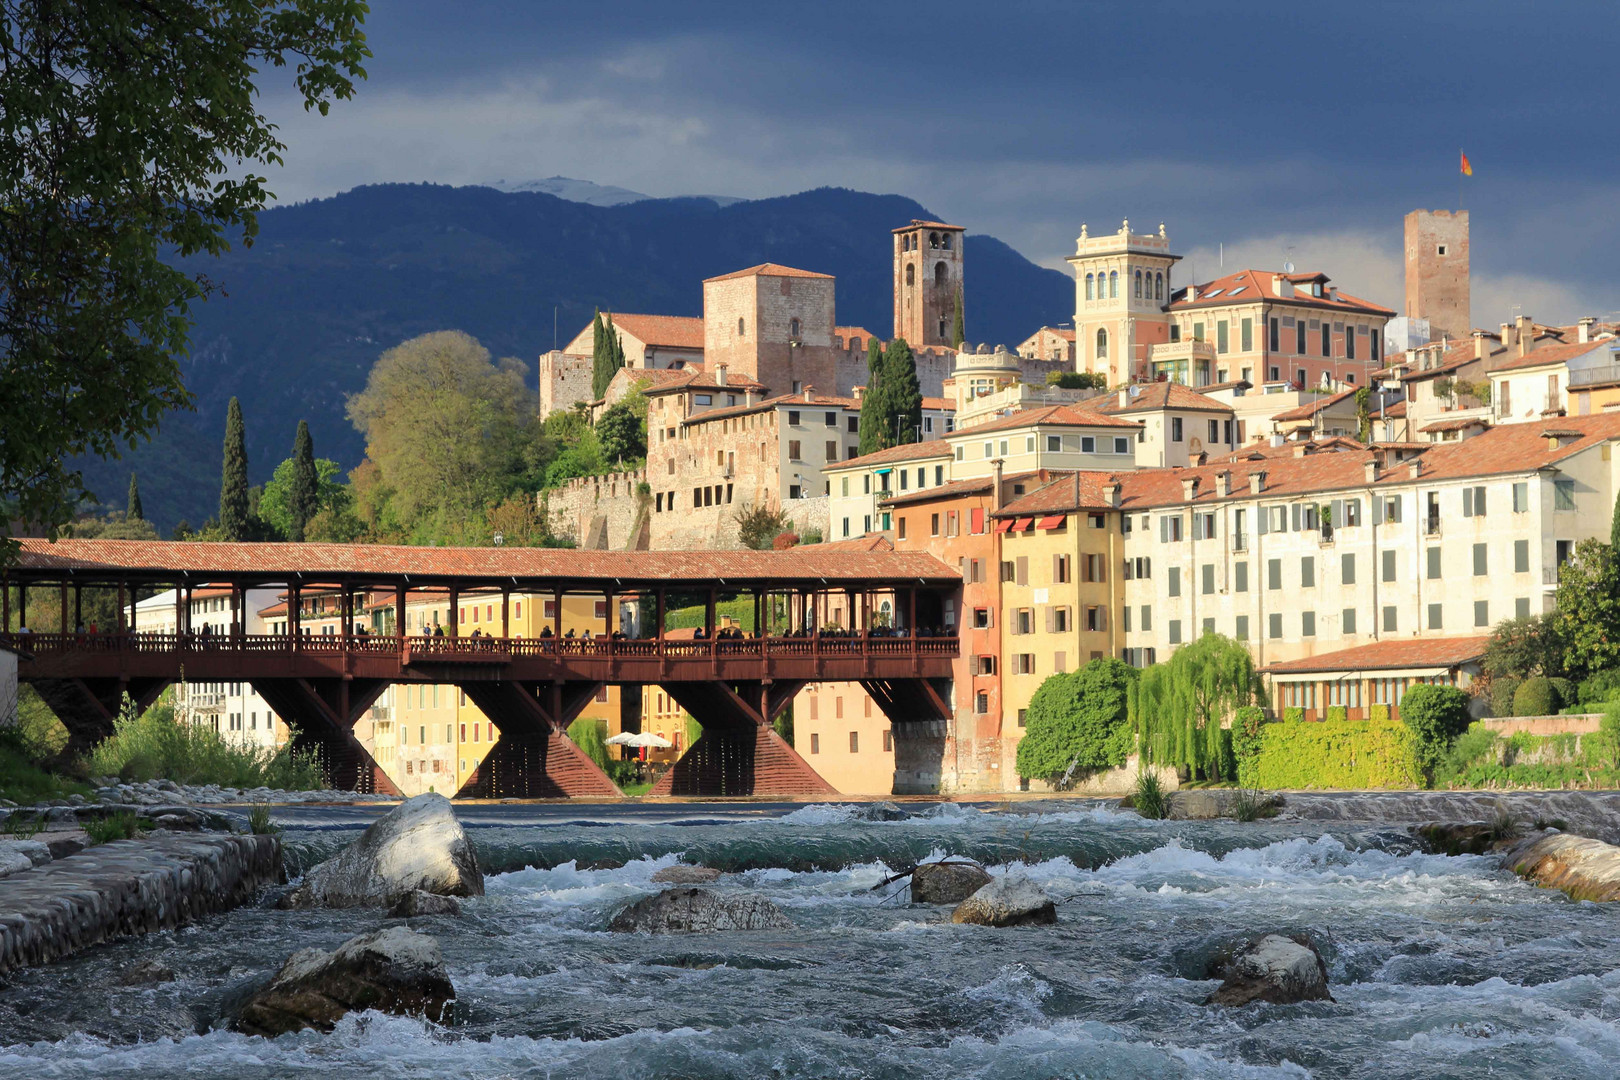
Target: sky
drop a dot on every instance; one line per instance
(1260, 132)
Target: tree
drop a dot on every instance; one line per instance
(447, 428)
(759, 526)
(622, 434)
(134, 511)
(1364, 414)
(1079, 719)
(1436, 715)
(903, 395)
(873, 432)
(1522, 647)
(607, 355)
(276, 500)
(1179, 705)
(132, 133)
(234, 515)
(1614, 524)
(304, 494)
(1587, 617)
(958, 334)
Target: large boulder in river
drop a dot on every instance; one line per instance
(1585, 869)
(948, 882)
(1272, 968)
(1010, 900)
(418, 845)
(682, 874)
(392, 971)
(698, 911)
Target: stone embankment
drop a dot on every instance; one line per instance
(1584, 869)
(128, 887)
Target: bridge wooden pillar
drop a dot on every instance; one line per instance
(739, 753)
(658, 631)
(455, 611)
(5, 607)
(399, 611)
(295, 614)
(78, 605)
(556, 614)
(708, 615)
(506, 613)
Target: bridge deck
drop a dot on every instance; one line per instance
(204, 658)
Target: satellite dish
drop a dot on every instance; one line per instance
(1288, 268)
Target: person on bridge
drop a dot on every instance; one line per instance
(545, 632)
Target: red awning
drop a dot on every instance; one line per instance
(1054, 522)
(1022, 524)
(1004, 524)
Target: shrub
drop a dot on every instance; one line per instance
(590, 735)
(1471, 747)
(1607, 741)
(1150, 799)
(1246, 724)
(1251, 804)
(153, 745)
(1378, 714)
(119, 826)
(1078, 718)
(259, 823)
(1337, 712)
(1435, 715)
(1503, 687)
(1535, 697)
(1563, 692)
(1599, 686)
(1333, 754)
(1293, 714)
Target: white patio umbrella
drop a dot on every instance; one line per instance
(645, 738)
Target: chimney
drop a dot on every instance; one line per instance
(1480, 348)
(1189, 488)
(720, 373)
(1414, 468)
(1584, 335)
(809, 394)
(1526, 327)
(1301, 449)
(1333, 292)
(1223, 482)
(1111, 493)
(1124, 396)
(1277, 284)
(1257, 481)
(1192, 293)
(1276, 438)
(995, 493)
(1370, 468)
(1507, 336)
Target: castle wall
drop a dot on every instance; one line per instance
(564, 381)
(1437, 286)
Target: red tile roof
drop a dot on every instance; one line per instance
(1083, 489)
(1558, 353)
(521, 567)
(1050, 416)
(1151, 397)
(1461, 424)
(1503, 450)
(1387, 655)
(955, 489)
(1308, 411)
(769, 270)
(868, 542)
(694, 377)
(818, 401)
(1252, 285)
(674, 331)
(904, 452)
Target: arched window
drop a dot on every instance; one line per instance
(1102, 344)
(1113, 284)
(911, 274)
(905, 242)
(1089, 280)
(1139, 284)
(933, 239)
(1158, 286)
(945, 242)
(742, 328)
(793, 328)
(939, 274)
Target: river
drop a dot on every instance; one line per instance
(1440, 967)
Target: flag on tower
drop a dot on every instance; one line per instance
(1467, 169)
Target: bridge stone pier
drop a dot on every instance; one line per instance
(530, 687)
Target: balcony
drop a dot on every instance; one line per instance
(1240, 542)
(1596, 375)
(1431, 524)
(1186, 362)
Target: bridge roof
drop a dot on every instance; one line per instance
(167, 561)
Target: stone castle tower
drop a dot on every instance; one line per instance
(1121, 290)
(927, 282)
(1437, 272)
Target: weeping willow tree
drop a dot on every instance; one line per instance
(1178, 706)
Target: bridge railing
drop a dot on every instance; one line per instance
(488, 649)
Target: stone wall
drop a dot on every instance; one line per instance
(599, 512)
(129, 887)
(564, 381)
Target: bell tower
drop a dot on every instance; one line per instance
(927, 283)
(1121, 291)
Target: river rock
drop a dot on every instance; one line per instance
(393, 970)
(1457, 837)
(1207, 804)
(1273, 968)
(882, 811)
(418, 845)
(1585, 869)
(1010, 900)
(19, 855)
(947, 882)
(148, 974)
(416, 902)
(681, 874)
(698, 911)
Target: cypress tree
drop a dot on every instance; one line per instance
(1614, 526)
(601, 359)
(873, 435)
(903, 393)
(134, 513)
(233, 488)
(958, 334)
(304, 499)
